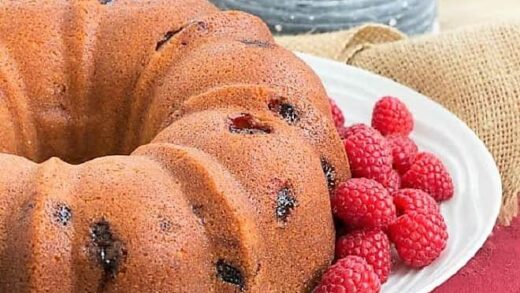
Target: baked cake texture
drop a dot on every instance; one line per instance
(159, 146)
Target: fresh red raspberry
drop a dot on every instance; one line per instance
(419, 237)
(363, 203)
(351, 274)
(372, 245)
(340, 227)
(391, 116)
(403, 151)
(337, 114)
(391, 181)
(429, 174)
(368, 152)
(414, 200)
(356, 128)
(342, 131)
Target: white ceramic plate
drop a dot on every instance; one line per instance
(472, 212)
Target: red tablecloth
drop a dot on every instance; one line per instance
(495, 268)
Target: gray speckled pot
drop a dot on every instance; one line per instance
(303, 16)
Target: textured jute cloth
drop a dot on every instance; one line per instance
(474, 72)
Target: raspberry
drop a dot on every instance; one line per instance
(342, 131)
(419, 237)
(403, 151)
(337, 115)
(391, 116)
(349, 275)
(414, 200)
(391, 181)
(340, 227)
(356, 128)
(368, 152)
(372, 245)
(429, 174)
(363, 203)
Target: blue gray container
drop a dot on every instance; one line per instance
(314, 16)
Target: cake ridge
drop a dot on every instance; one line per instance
(191, 34)
(18, 103)
(241, 240)
(261, 97)
(143, 81)
(14, 208)
(265, 66)
(246, 160)
(126, 39)
(85, 18)
(146, 230)
(126, 145)
(51, 189)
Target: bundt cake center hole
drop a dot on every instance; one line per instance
(245, 123)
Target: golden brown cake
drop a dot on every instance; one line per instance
(159, 146)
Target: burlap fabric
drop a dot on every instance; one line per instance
(474, 72)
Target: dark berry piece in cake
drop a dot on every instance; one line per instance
(167, 36)
(62, 214)
(105, 2)
(246, 124)
(165, 225)
(285, 203)
(198, 211)
(330, 173)
(257, 43)
(26, 210)
(202, 26)
(107, 249)
(287, 111)
(230, 274)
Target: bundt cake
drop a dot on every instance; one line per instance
(159, 146)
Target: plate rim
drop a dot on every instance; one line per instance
(495, 181)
